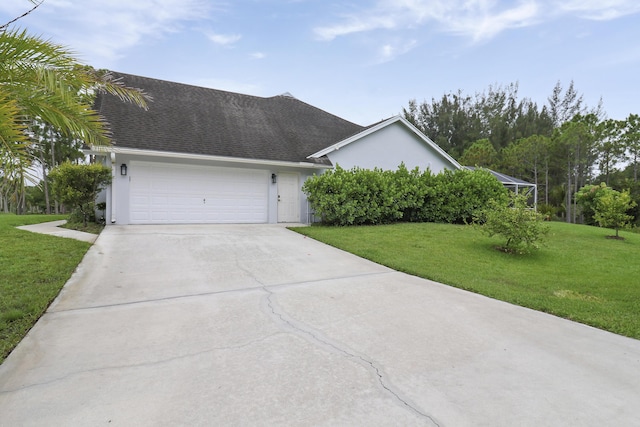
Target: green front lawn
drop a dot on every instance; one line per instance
(33, 269)
(579, 274)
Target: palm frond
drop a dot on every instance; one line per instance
(20, 50)
(105, 82)
(40, 80)
(14, 154)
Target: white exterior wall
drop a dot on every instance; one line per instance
(118, 194)
(387, 149)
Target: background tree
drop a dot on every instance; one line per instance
(573, 145)
(610, 146)
(52, 148)
(565, 106)
(35, 199)
(456, 120)
(532, 121)
(557, 147)
(481, 153)
(631, 141)
(529, 159)
(78, 186)
(511, 159)
(451, 122)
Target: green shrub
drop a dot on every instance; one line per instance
(547, 211)
(353, 197)
(410, 190)
(587, 198)
(457, 195)
(78, 217)
(522, 227)
(360, 196)
(77, 186)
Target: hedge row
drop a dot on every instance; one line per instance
(363, 196)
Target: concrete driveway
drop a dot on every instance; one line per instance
(257, 325)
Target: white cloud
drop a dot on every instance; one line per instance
(258, 55)
(224, 39)
(355, 25)
(600, 9)
(101, 29)
(391, 50)
(479, 20)
(482, 22)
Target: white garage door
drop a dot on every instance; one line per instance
(163, 193)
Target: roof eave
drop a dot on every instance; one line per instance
(103, 150)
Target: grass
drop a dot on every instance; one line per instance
(33, 269)
(579, 274)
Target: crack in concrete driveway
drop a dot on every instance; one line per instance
(324, 342)
(257, 325)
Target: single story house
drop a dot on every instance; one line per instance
(201, 155)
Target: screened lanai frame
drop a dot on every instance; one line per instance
(519, 186)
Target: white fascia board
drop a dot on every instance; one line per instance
(381, 125)
(187, 156)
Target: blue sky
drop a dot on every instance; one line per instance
(362, 60)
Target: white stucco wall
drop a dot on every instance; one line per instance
(387, 148)
(117, 195)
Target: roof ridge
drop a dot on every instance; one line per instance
(192, 85)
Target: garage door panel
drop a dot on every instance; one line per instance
(166, 193)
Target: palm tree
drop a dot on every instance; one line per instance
(42, 81)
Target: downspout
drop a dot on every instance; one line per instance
(113, 188)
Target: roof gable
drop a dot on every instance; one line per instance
(380, 126)
(196, 120)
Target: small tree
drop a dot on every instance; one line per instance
(522, 226)
(611, 209)
(77, 186)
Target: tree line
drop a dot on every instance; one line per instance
(560, 146)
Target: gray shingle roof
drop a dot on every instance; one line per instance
(196, 120)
